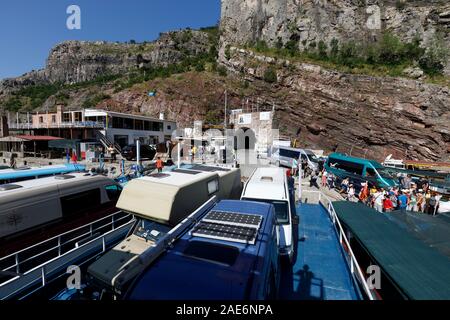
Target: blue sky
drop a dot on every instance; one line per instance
(30, 28)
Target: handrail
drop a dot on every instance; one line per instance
(60, 244)
(343, 238)
(43, 274)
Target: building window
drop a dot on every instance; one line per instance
(128, 123)
(147, 125)
(67, 117)
(54, 119)
(169, 127)
(139, 125)
(78, 116)
(41, 119)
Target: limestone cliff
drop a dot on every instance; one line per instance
(78, 61)
(311, 21)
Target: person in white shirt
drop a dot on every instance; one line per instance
(351, 194)
(378, 203)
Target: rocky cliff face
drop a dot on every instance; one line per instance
(78, 61)
(308, 21)
(364, 115)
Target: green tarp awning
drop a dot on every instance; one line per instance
(418, 269)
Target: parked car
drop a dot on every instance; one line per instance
(147, 152)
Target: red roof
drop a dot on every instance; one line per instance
(39, 138)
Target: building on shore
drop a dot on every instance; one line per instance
(93, 124)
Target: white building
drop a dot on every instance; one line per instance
(120, 128)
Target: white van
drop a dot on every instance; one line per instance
(270, 185)
(285, 155)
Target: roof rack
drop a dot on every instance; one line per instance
(64, 177)
(151, 254)
(7, 187)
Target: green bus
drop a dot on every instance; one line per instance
(360, 170)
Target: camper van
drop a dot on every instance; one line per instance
(284, 156)
(360, 170)
(229, 254)
(159, 202)
(35, 210)
(271, 185)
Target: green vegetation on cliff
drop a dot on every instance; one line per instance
(388, 56)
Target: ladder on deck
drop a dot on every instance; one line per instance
(26, 271)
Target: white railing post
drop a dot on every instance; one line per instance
(91, 228)
(17, 263)
(103, 244)
(113, 220)
(59, 246)
(43, 276)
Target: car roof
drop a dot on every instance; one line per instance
(267, 183)
(341, 156)
(177, 275)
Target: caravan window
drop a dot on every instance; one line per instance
(113, 192)
(213, 186)
(289, 153)
(80, 202)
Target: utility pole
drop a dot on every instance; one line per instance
(225, 123)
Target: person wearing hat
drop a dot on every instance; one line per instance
(378, 200)
(351, 193)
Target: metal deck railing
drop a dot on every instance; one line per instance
(350, 258)
(42, 262)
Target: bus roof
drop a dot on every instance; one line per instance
(201, 268)
(266, 183)
(340, 156)
(17, 188)
(30, 172)
(418, 269)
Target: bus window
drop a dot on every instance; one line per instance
(80, 202)
(113, 192)
(347, 166)
(370, 172)
(289, 153)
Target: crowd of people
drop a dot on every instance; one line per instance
(407, 196)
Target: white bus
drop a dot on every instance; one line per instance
(271, 185)
(35, 210)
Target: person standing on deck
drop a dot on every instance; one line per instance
(74, 157)
(294, 167)
(159, 165)
(324, 178)
(112, 152)
(378, 200)
(432, 203)
(402, 201)
(351, 194)
(412, 202)
(420, 201)
(12, 161)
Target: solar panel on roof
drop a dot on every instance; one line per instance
(226, 232)
(229, 226)
(233, 219)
